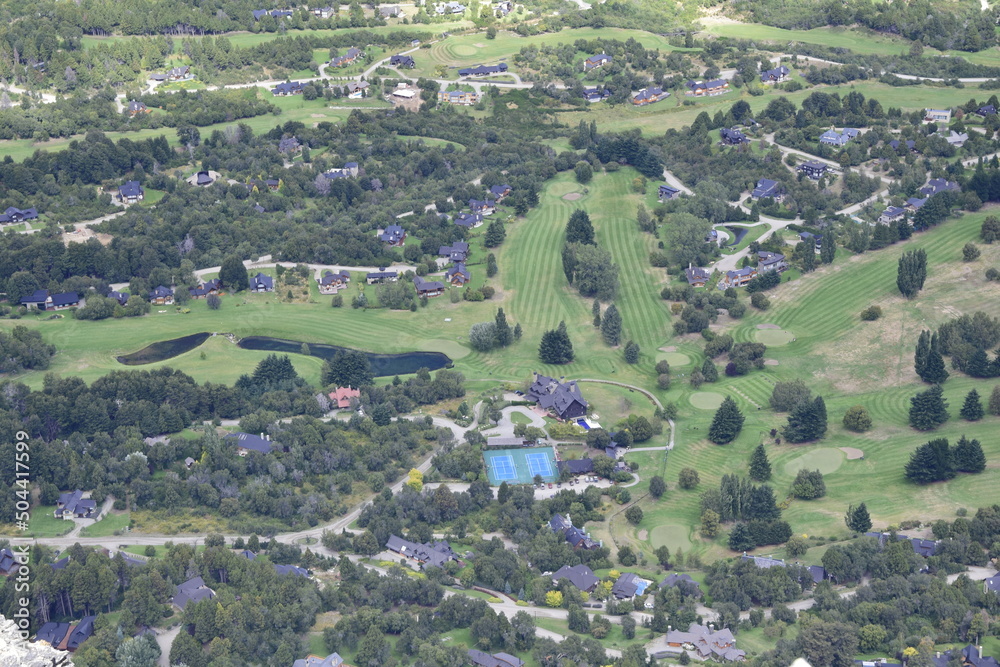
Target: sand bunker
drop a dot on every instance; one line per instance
(643, 534)
(853, 453)
(770, 362)
(768, 326)
(572, 196)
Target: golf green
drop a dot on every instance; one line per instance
(671, 536)
(773, 337)
(706, 400)
(676, 359)
(464, 50)
(824, 459)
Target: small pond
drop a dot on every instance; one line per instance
(739, 233)
(382, 364)
(164, 349)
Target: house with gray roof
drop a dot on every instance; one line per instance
(8, 562)
(433, 554)
(561, 398)
(469, 220)
(776, 75)
(74, 506)
(666, 192)
(262, 283)
(575, 536)
(192, 590)
(766, 188)
(13, 215)
(764, 562)
(400, 60)
(457, 275)
(394, 235)
(428, 288)
(706, 642)
(332, 281)
(770, 261)
(332, 660)
(581, 576)
(381, 276)
(697, 276)
(737, 278)
(52, 633)
(248, 442)
(457, 252)
(628, 585)
(483, 659)
(992, 585)
(131, 192)
(838, 139)
(650, 95)
(161, 296)
(892, 214)
(812, 169)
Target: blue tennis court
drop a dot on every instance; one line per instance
(521, 465)
(503, 468)
(538, 464)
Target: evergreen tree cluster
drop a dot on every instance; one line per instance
(808, 485)
(928, 409)
(858, 519)
(928, 361)
(754, 509)
(936, 461)
(912, 272)
(556, 347)
(966, 339)
(727, 423)
(807, 421)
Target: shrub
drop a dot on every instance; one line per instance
(871, 313)
(493, 600)
(857, 419)
(688, 478)
(970, 252)
(760, 301)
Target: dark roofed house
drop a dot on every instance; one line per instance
(81, 633)
(892, 214)
(53, 634)
(992, 585)
(697, 276)
(667, 192)
(262, 283)
(381, 276)
(776, 75)
(394, 235)
(402, 61)
(581, 576)
(61, 563)
(248, 442)
(596, 94)
(733, 136)
(909, 143)
(332, 281)
(8, 562)
(627, 585)
(192, 590)
(204, 289)
(182, 73)
(246, 553)
(814, 170)
(575, 536)
(483, 206)
(561, 398)
(938, 185)
(434, 554)
(770, 261)
(135, 107)
(685, 583)
(986, 110)
(483, 70)
(428, 288)
(766, 188)
(577, 466)
(356, 89)
(833, 138)
(913, 204)
(324, 12)
(352, 54)
(593, 62)
(649, 96)
(62, 301)
(389, 11)
(714, 87)
(289, 145)
(817, 572)
(483, 659)
(258, 14)
(973, 656)
(458, 275)
(456, 252)
(737, 278)
(14, 215)
(73, 505)
(121, 297)
(469, 220)
(288, 88)
(161, 296)
(291, 569)
(500, 191)
(36, 299)
(203, 178)
(131, 192)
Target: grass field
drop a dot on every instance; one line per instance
(849, 363)
(43, 523)
(107, 526)
(857, 40)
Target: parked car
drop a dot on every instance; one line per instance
(550, 485)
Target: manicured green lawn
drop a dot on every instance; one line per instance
(43, 523)
(859, 41)
(107, 526)
(519, 418)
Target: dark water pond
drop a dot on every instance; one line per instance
(739, 233)
(382, 364)
(164, 349)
